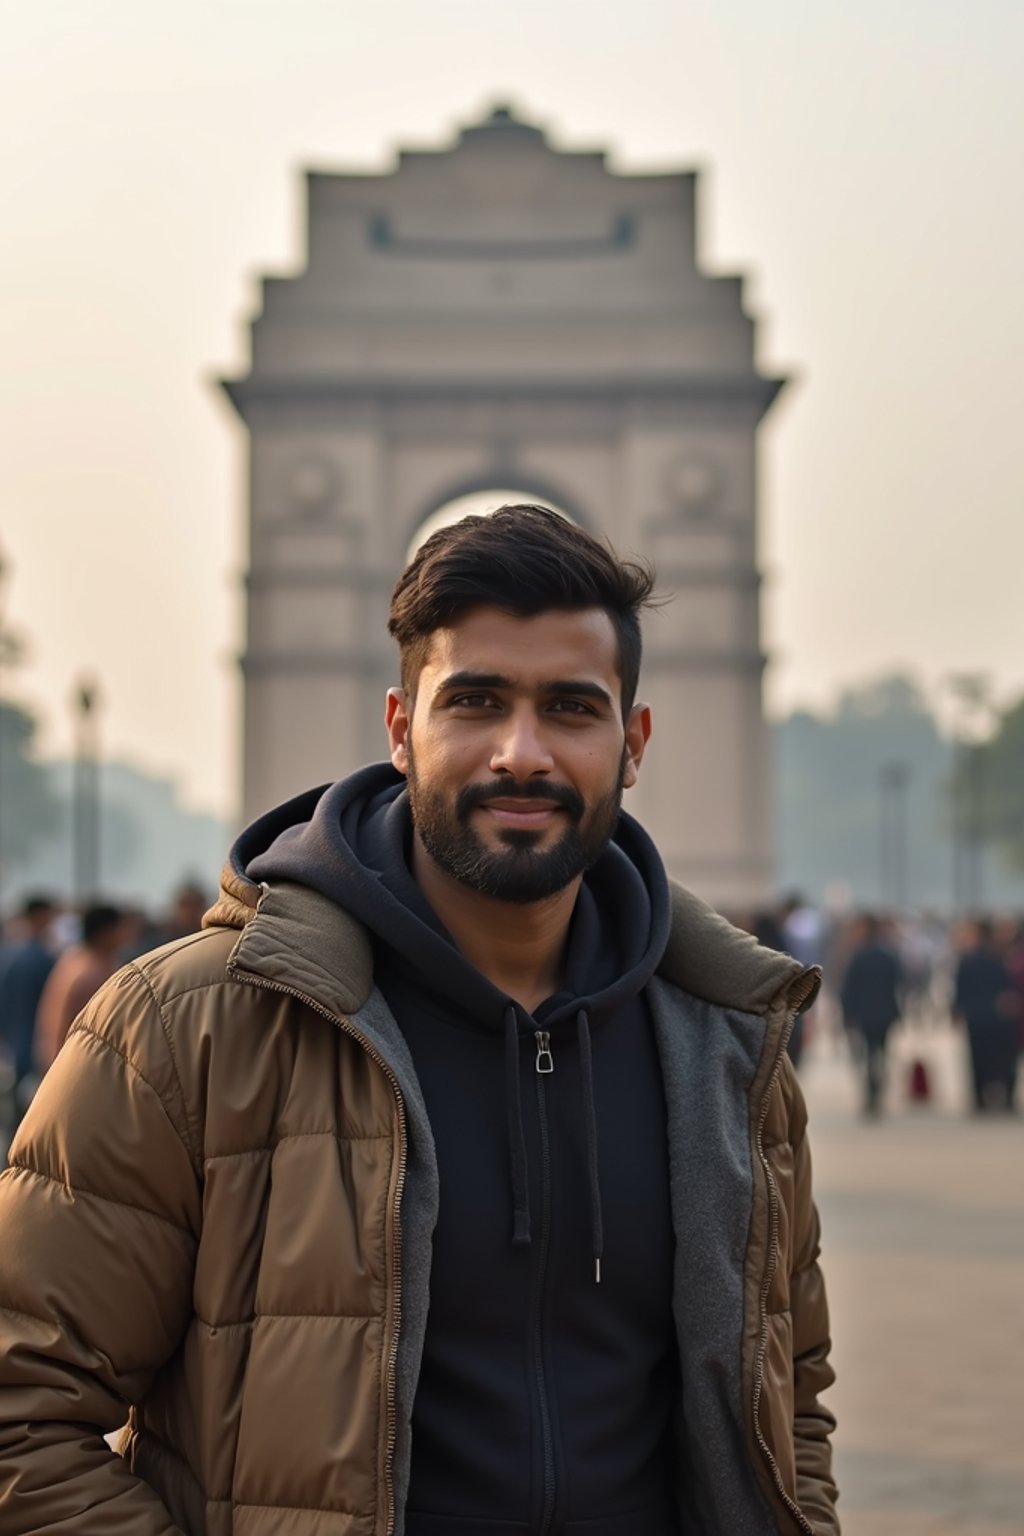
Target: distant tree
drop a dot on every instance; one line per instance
(829, 772)
(989, 783)
(149, 841)
(29, 810)
(895, 700)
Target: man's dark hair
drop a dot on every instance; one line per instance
(99, 919)
(37, 905)
(525, 560)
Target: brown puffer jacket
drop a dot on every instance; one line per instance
(205, 1230)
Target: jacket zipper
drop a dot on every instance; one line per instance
(347, 1028)
(545, 1065)
(769, 1275)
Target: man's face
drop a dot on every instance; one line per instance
(515, 749)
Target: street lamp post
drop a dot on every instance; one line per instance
(85, 794)
(894, 851)
(973, 694)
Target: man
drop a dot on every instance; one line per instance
(79, 972)
(25, 963)
(870, 999)
(984, 1001)
(453, 1180)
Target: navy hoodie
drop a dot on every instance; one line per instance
(549, 1374)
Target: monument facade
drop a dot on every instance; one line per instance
(502, 313)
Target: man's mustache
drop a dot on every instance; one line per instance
(534, 789)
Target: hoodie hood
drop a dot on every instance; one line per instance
(351, 842)
(303, 939)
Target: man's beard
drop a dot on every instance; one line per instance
(519, 872)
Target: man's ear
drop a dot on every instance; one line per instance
(638, 734)
(396, 719)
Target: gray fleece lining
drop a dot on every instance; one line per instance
(709, 1059)
(420, 1204)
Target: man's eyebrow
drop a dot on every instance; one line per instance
(580, 686)
(474, 680)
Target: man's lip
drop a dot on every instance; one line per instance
(521, 805)
(522, 813)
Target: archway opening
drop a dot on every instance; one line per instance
(476, 504)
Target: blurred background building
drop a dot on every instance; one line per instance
(495, 320)
(499, 318)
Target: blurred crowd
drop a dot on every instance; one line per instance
(878, 971)
(914, 968)
(52, 960)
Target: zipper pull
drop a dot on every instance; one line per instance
(545, 1060)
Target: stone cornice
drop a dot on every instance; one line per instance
(627, 392)
(365, 662)
(269, 578)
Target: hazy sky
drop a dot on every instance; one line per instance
(864, 165)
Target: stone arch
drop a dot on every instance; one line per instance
(503, 487)
(505, 313)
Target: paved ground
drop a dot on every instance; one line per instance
(923, 1217)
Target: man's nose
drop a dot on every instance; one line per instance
(521, 749)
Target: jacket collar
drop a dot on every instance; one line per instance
(299, 939)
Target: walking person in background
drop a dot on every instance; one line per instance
(985, 1001)
(1015, 966)
(870, 999)
(79, 972)
(25, 965)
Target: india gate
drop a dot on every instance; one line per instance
(500, 316)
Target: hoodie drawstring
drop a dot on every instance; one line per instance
(516, 1135)
(590, 1130)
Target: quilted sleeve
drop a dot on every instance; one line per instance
(99, 1216)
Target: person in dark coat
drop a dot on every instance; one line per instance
(25, 964)
(870, 998)
(985, 1002)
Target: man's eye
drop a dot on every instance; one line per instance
(571, 707)
(472, 701)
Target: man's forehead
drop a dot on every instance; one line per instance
(490, 639)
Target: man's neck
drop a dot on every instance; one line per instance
(519, 947)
